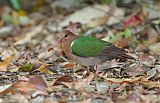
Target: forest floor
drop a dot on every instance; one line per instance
(34, 69)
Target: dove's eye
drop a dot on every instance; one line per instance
(65, 35)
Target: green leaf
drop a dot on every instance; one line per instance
(26, 68)
(127, 33)
(16, 4)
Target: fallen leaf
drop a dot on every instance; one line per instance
(125, 80)
(5, 63)
(155, 47)
(142, 48)
(124, 42)
(1, 23)
(22, 87)
(152, 84)
(135, 97)
(69, 65)
(4, 87)
(86, 15)
(97, 22)
(81, 84)
(147, 59)
(102, 87)
(38, 81)
(134, 20)
(19, 98)
(47, 54)
(26, 87)
(26, 68)
(127, 33)
(90, 14)
(136, 69)
(66, 78)
(153, 74)
(43, 68)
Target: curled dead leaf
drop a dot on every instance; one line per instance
(147, 59)
(66, 78)
(43, 68)
(125, 80)
(124, 42)
(26, 87)
(5, 63)
(69, 65)
(151, 84)
(38, 81)
(22, 87)
(81, 84)
(153, 74)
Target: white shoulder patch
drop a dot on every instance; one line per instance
(72, 44)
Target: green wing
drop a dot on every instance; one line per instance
(86, 46)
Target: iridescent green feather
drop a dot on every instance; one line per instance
(86, 46)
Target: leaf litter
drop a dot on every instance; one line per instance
(33, 68)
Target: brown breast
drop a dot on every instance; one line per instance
(66, 46)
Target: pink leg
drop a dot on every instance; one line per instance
(97, 69)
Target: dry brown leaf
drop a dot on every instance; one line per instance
(144, 57)
(155, 47)
(26, 87)
(38, 81)
(97, 22)
(1, 23)
(43, 68)
(124, 42)
(153, 74)
(66, 78)
(142, 48)
(84, 82)
(18, 98)
(136, 69)
(131, 98)
(125, 80)
(68, 84)
(22, 87)
(151, 84)
(5, 63)
(69, 65)
(147, 59)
